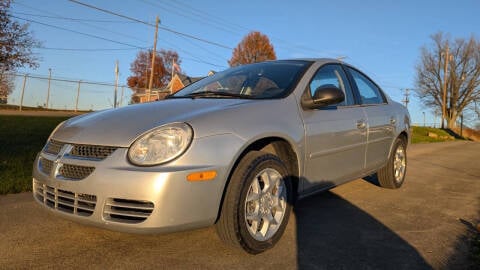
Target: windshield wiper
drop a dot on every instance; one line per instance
(217, 93)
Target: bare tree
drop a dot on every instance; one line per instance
(462, 78)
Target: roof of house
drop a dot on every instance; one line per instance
(186, 80)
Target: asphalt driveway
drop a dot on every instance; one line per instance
(423, 225)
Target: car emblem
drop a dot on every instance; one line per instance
(64, 151)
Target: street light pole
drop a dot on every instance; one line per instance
(48, 92)
(78, 96)
(116, 85)
(23, 91)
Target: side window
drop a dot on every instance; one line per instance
(369, 92)
(332, 75)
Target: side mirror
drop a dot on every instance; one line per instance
(323, 96)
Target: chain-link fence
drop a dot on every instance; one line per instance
(65, 94)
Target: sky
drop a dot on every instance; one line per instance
(381, 38)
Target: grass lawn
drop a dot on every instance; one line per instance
(21, 138)
(420, 135)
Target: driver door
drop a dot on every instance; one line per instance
(335, 135)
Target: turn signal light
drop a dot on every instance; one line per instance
(202, 176)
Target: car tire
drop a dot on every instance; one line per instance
(393, 174)
(257, 203)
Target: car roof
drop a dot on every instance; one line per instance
(317, 60)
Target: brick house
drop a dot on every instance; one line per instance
(178, 82)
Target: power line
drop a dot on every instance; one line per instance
(198, 60)
(68, 18)
(208, 17)
(218, 23)
(112, 13)
(206, 50)
(86, 49)
(190, 16)
(96, 27)
(188, 40)
(194, 59)
(152, 25)
(203, 62)
(77, 32)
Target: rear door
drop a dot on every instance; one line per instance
(335, 135)
(380, 119)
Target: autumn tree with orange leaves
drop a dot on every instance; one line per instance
(141, 70)
(255, 47)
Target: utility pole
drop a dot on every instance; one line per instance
(78, 95)
(461, 125)
(146, 75)
(424, 124)
(121, 96)
(406, 100)
(154, 52)
(116, 85)
(48, 92)
(444, 95)
(23, 90)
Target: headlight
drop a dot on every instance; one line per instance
(161, 145)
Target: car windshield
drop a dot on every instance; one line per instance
(255, 81)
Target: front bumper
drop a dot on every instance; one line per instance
(119, 196)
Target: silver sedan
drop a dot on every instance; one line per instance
(235, 149)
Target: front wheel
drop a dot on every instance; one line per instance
(256, 207)
(393, 174)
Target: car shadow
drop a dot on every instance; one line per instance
(332, 233)
(467, 243)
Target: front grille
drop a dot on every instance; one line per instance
(46, 165)
(74, 172)
(66, 201)
(92, 151)
(53, 147)
(127, 211)
(82, 151)
(65, 171)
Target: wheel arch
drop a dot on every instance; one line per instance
(277, 146)
(402, 135)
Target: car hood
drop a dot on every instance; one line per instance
(120, 127)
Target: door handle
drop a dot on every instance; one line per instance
(361, 124)
(393, 120)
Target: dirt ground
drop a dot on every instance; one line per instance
(40, 113)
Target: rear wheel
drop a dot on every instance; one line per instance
(393, 174)
(256, 206)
